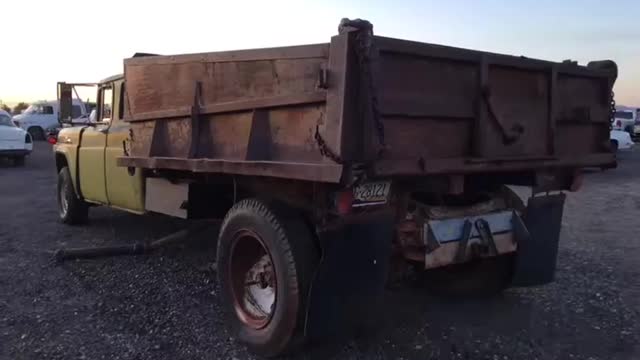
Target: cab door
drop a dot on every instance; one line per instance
(92, 150)
(124, 185)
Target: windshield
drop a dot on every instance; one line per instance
(32, 109)
(624, 115)
(5, 120)
(39, 109)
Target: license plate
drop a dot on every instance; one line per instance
(373, 193)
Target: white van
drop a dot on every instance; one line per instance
(41, 116)
(624, 120)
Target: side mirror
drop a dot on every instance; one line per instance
(65, 92)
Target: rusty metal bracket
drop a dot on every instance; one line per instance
(461, 254)
(484, 230)
(323, 78)
(259, 146)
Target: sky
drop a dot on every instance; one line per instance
(44, 42)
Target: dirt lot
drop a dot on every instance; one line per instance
(164, 306)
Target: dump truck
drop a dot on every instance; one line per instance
(334, 166)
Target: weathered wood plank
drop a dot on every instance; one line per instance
(411, 167)
(169, 87)
(421, 86)
(420, 49)
(232, 106)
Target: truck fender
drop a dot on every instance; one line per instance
(62, 160)
(62, 157)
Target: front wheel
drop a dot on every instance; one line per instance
(614, 146)
(266, 259)
(36, 133)
(71, 209)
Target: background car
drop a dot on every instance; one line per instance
(43, 115)
(625, 119)
(15, 143)
(620, 140)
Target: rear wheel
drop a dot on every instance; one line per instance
(36, 133)
(18, 161)
(266, 259)
(614, 146)
(71, 210)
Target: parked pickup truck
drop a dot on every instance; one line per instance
(625, 120)
(332, 164)
(42, 117)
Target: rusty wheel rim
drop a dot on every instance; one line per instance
(253, 280)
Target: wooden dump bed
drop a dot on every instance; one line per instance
(401, 108)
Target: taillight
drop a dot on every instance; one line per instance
(619, 123)
(344, 201)
(52, 140)
(27, 138)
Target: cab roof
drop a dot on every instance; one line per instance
(112, 78)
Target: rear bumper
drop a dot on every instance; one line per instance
(534, 236)
(14, 152)
(446, 244)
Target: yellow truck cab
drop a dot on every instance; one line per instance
(86, 156)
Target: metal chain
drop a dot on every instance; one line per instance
(612, 110)
(365, 55)
(325, 150)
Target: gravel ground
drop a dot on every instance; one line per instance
(164, 306)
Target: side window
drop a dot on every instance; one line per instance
(121, 102)
(106, 103)
(76, 111)
(47, 110)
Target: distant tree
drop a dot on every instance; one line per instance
(6, 108)
(18, 108)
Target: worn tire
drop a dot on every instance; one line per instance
(36, 133)
(18, 161)
(294, 256)
(614, 147)
(76, 210)
(480, 277)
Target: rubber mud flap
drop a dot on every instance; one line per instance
(350, 281)
(538, 252)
